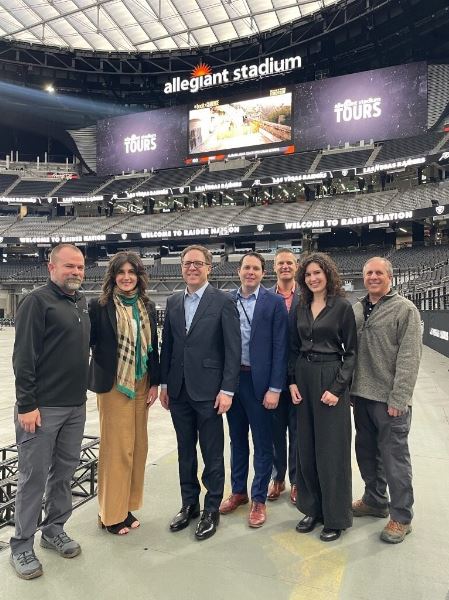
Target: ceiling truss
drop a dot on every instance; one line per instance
(145, 25)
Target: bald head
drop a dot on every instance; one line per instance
(66, 267)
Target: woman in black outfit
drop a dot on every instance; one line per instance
(322, 359)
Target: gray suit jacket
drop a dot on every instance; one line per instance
(207, 358)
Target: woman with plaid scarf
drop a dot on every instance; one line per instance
(124, 372)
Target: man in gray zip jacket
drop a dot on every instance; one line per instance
(389, 353)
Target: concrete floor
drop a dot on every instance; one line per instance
(273, 562)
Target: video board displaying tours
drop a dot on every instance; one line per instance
(381, 104)
(215, 127)
(154, 139)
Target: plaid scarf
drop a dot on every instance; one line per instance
(132, 354)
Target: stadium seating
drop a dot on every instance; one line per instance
(343, 160)
(291, 164)
(122, 185)
(6, 181)
(408, 147)
(32, 187)
(82, 186)
(168, 178)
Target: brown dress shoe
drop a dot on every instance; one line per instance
(232, 502)
(275, 490)
(293, 494)
(257, 514)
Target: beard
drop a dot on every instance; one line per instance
(72, 284)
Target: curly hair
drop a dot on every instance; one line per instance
(333, 279)
(114, 266)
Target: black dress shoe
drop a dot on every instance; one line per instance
(207, 525)
(185, 515)
(329, 535)
(307, 524)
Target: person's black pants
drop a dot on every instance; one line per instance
(324, 447)
(192, 421)
(284, 426)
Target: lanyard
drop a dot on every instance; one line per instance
(246, 314)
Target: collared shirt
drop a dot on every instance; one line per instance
(246, 308)
(288, 296)
(368, 306)
(191, 302)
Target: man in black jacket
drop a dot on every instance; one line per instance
(50, 360)
(200, 365)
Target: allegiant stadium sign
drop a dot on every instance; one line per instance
(203, 77)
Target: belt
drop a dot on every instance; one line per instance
(321, 357)
(245, 368)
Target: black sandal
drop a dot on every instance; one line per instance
(115, 529)
(130, 520)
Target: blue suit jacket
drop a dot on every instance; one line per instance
(268, 345)
(292, 314)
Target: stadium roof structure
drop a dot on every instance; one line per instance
(145, 25)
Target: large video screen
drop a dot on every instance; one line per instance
(148, 140)
(241, 124)
(380, 105)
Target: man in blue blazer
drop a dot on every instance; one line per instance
(264, 330)
(284, 417)
(200, 361)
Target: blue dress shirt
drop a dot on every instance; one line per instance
(246, 305)
(191, 302)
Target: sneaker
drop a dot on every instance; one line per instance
(360, 509)
(63, 545)
(26, 565)
(395, 532)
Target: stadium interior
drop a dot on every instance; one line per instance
(86, 89)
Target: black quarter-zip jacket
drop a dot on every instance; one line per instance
(51, 349)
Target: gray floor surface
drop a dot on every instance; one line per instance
(273, 562)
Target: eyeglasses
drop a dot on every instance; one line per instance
(194, 263)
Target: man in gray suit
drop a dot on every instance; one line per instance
(200, 366)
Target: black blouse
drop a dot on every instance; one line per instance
(332, 332)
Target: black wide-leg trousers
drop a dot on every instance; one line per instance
(324, 447)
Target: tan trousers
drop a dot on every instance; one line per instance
(123, 452)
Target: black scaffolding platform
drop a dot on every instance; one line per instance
(84, 481)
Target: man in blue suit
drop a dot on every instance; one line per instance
(284, 417)
(264, 330)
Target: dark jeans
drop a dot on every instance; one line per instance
(192, 421)
(284, 426)
(47, 460)
(248, 411)
(324, 447)
(381, 446)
